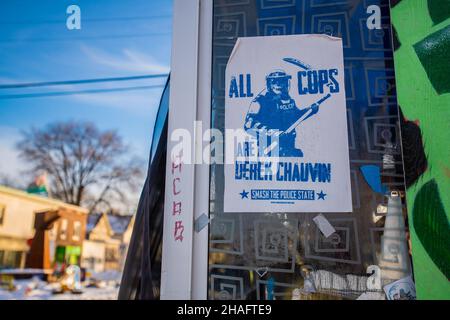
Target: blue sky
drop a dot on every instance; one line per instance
(118, 38)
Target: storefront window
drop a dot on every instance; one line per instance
(2, 213)
(277, 255)
(73, 254)
(60, 255)
(63, 229)
(10, 259)
(111, 255)
(76, 231)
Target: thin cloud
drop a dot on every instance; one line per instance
(5, 80)
(129, 60)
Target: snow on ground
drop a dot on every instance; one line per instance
(34, 289)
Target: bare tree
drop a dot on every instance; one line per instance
(85, 166)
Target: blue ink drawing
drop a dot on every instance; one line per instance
(321, 195)
(244, 194)
(274, 115)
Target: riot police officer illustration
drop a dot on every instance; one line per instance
(274, 114)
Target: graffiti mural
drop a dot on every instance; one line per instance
(422, 53)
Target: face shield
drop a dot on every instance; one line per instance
(278, 85)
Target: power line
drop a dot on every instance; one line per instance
(88, 20)
(103, 37)
(66, 93)
(83, 81)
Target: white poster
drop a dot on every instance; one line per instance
(286, 126)
(402, 289)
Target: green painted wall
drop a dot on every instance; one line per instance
(422, 66)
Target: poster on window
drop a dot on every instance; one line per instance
(286, 140)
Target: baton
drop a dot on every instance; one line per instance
(295, 124)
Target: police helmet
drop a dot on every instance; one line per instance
(279, 77)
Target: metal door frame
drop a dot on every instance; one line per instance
(184, 272)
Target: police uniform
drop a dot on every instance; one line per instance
(276, 112)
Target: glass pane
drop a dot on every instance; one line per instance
(160, 120)
(277, 255)
(12, 259)
(2, 254)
